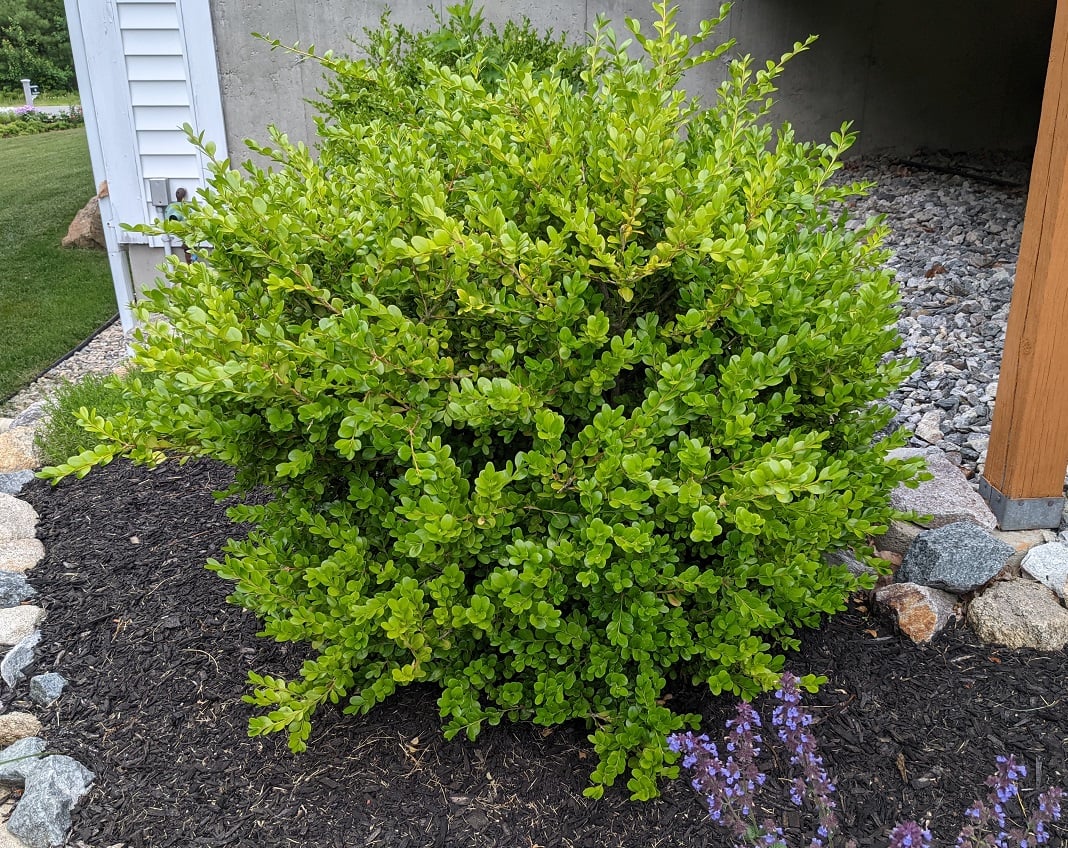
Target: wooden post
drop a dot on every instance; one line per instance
(1023, 480)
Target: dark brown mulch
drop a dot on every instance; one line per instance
(157, 662)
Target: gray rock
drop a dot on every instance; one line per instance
(42, 817)
(45, 689)
(921, 613)
(898, 538)
(850, 560)
(19, 759)
(31, 416)
(20, 555)
(14, 589)
(946, 498)
(958, 557)
(12, 483)
(1048, 564)
(9, 840)
(18, 520)
(1020, 614)
(15, 662)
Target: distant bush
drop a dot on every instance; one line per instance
(562, 390)
(27, 121)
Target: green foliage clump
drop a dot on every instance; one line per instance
(61, 435)
(562, 391)
(34, 44)
(461, 38)
(30, 122)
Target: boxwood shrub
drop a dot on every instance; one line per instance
(563, 386)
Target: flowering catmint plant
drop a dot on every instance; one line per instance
(729, 785)
(986, 820)
(791, 723)
(910, 835)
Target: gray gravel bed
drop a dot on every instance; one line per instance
(955, 241)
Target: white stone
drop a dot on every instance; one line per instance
(1022, 541)
(1048, 564)
(930, 427)
(16, 623)
(17, 450)
(15, 726)
(20, 555)
(1020, 614)
(18, 520)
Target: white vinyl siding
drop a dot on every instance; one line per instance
(169, 67)
(160, 117)
(160, 96)
(145, 69)
(159, 93)
(172, 167)
(152, 42)
(162, 15)
(160, 142)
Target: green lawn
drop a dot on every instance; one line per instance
(51, 298)
(59, 98)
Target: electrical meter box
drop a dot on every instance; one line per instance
(158, 194)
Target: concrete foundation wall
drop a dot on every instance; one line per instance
(956, 74)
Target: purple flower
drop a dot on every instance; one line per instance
(1003, 782)
(792, 722)
(727, 791)
(729, 786)
(1049, 810)
(910, 835)
(987, 821)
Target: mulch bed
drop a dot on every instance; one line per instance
(157, 660)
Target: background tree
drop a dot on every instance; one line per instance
(34, 43)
